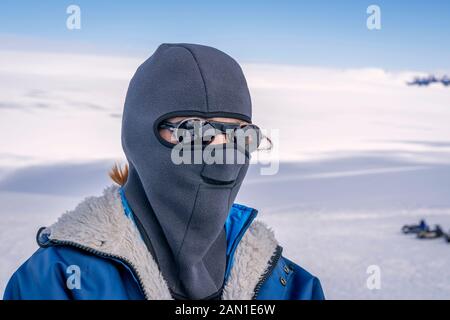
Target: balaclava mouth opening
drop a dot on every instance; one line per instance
(181, 209)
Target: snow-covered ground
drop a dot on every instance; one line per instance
(335, 218)
(366, 153)
(338, 217)
(339, 246)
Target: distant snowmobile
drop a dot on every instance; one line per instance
(445, 81)
(419, 82)
(422, 226)
(431, 234)
(426, 81)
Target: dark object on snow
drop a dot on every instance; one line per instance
(422, 226)
(431, 234)
(426, 81)
(447, 237)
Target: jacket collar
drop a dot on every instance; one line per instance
(238, 221)
(100, 225)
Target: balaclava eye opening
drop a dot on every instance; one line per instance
(181, 209)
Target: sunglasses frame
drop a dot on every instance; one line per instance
(222, 127)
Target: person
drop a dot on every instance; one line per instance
(416, 228)
(170, 229)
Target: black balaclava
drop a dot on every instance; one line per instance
(181, 209)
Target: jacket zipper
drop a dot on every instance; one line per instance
(106, 255)
(272, 264)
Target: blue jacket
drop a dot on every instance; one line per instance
(47, 274)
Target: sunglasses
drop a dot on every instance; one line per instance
(198, 130)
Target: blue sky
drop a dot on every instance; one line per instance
(414, 35)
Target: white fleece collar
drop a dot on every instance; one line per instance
(99, 223)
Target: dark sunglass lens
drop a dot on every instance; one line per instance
(190, 124)
(255, 134)
(248, 137)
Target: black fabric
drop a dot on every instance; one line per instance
(182, 208)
